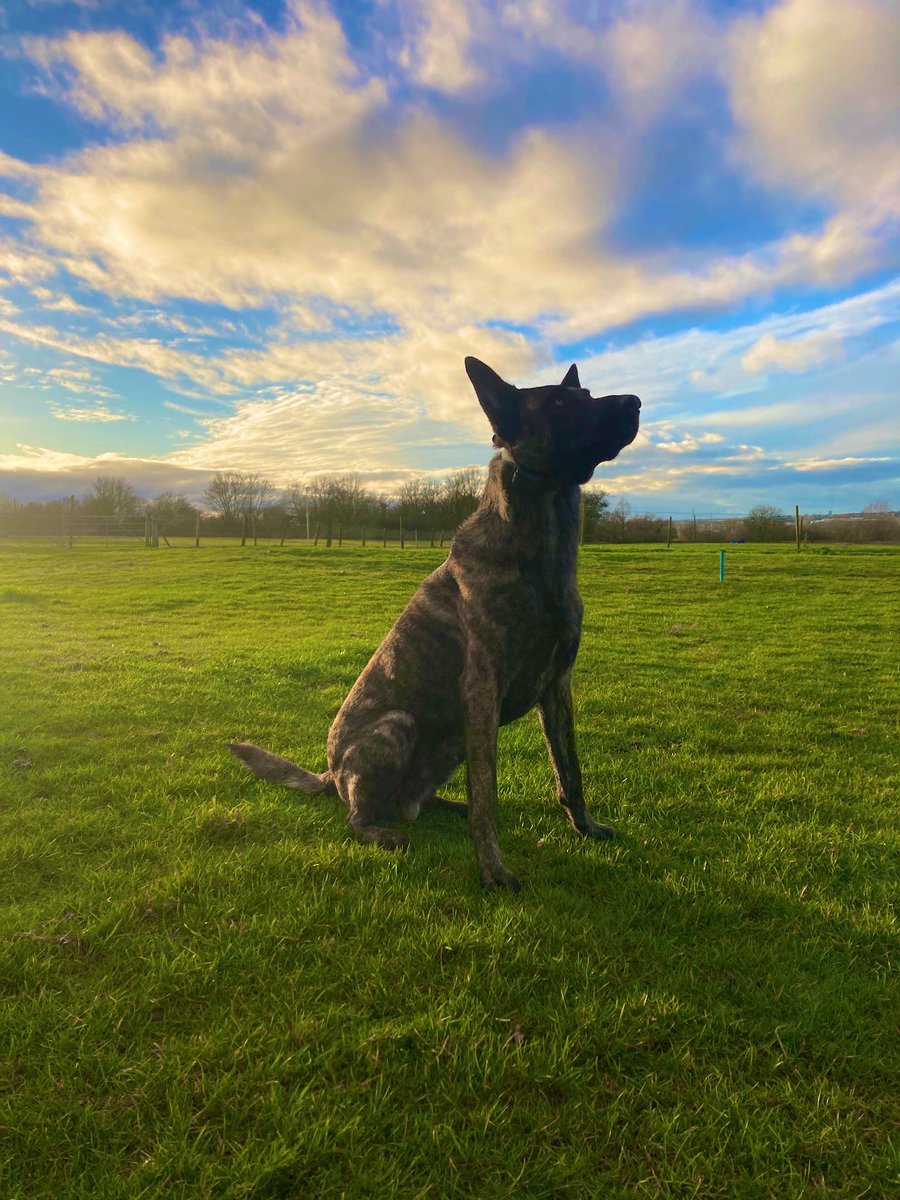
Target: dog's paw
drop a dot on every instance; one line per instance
(388, 840)
(600, 833)
(496, 875)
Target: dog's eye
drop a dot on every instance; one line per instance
(559, 402)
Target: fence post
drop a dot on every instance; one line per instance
(243, 529)
(669, 534)
(197, 531)
(402, 542)
(253, 527)
(283, 533)
(798, 525)
(71, 522)
(364, 535)
(154, 533)
(328, 527)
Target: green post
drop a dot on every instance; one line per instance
(721, 566)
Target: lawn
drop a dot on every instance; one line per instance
(210, 990)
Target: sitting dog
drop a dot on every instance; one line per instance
(492, 633)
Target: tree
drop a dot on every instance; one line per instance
(419, 502)
(765, 523)
(611, 525)
(111, 496)
(235, 494)
(332, 501)
(596, 503)
(172, 509)
(460, 494)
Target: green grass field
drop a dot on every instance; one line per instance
(210, 990)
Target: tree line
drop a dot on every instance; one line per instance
(343, 506)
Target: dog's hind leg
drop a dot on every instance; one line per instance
(370, 776)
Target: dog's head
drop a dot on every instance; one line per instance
(561, 432)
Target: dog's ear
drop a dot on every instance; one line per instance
(571, 379)
(499, 399)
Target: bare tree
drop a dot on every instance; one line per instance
(461, 492)
(112, 496)
(172, 509)
(236, 494)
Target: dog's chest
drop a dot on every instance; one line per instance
(542, 642)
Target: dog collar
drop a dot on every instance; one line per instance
(524, 476)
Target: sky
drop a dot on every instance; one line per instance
(263, 236)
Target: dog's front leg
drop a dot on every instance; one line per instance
(558, 722)
(481, 711)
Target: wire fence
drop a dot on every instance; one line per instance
(69, 527)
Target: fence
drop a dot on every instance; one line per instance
(66, 527)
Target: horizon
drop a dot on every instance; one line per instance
(263, 237)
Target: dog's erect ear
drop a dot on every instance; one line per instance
(499, 399)
(571, 379)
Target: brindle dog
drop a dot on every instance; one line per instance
(492, 633)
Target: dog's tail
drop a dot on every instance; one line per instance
(280, 770)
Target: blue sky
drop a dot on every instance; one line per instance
(264, 236)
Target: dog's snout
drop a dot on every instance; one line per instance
(630, 401)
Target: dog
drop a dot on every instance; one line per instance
(489, 635)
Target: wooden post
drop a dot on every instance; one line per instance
(798, 525)
(197, 532)
(432, 539)
(384, 538)
(146, 529)
(669, 534)
(402, 542)
(364, 535)
(328, 527)
(243, 529)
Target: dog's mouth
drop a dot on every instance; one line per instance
(618, 432)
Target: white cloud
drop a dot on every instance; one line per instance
(93, 413)
(437, 50)
(816, 89)
(655, 49)
(791, 354)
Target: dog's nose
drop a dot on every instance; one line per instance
(630, 401)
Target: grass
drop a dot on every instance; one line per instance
(210, 990)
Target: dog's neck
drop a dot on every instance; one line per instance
(525, 478)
